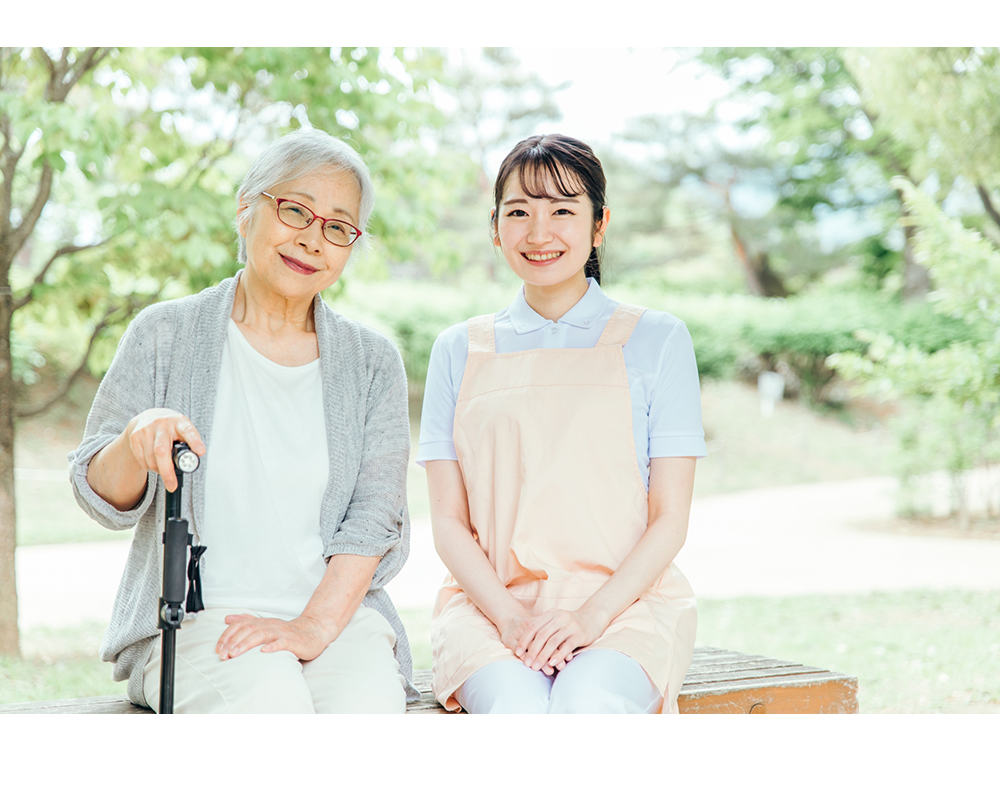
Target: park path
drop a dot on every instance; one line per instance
(820, 538)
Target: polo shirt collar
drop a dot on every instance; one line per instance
(583, 315)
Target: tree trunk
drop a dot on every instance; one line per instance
(761, 280)
(990, 209)
(9, 644)
(916, 277)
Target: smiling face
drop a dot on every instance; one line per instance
(298, 264)
(547, 240)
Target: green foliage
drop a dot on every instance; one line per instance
(957, 386)
(941, 102)
(820, 135)
(413, 313)
(876, 262)
(939, 434)
(966, 269)
(802, 331)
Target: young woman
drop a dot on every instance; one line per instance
(560, 437)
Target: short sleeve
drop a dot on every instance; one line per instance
(444, 379)
(675, 427)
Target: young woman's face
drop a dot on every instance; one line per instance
(546, 240)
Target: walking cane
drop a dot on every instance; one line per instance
(176, 540)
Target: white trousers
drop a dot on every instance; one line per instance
(357, 673)
(594, 682)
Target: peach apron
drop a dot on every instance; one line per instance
(545, 445)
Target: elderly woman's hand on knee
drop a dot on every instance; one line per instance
(303, 636)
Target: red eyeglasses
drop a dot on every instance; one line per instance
(295, 215)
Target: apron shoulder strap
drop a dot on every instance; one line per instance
(620, 326)
(481, 338)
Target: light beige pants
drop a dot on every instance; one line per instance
(356, 674)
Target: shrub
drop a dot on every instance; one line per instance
(413, 313)
(733, 335)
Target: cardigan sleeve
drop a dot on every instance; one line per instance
(127, 389)
(376, 522)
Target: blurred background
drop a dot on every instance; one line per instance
(825, 221)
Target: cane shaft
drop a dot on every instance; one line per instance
(167, 643)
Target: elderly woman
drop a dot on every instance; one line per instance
(300, 417)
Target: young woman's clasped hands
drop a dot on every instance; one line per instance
(547, 642)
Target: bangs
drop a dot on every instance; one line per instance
(540, 173)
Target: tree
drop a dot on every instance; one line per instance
(808, 162)
(30, 166)
(941, 103)
(119, 168)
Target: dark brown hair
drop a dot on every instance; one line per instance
(569, 164)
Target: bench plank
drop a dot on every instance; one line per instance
(815, 694)
(718, 682)
(110, 704)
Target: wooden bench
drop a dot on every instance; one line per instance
(718, 682)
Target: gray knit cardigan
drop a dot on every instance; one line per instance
(170, 357)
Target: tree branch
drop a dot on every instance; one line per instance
(56, 72)
(47, 59)
(194, 165)
(132, 305)
(88, 61)
(23, 231)
(58, 88)
(984, 195)
(230, 146)
(65, 250)
(8, 163)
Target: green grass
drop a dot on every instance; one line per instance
(911, 651)
(47, 513)
(794, 445)
(57, 664)
(417, 622)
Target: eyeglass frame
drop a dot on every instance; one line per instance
(277, 211)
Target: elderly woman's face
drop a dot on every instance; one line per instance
(300, 263)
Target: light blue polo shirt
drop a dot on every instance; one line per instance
(659, 360)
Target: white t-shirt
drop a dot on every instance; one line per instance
(659, 360)
(267, 471)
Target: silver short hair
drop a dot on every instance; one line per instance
(294, 155)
